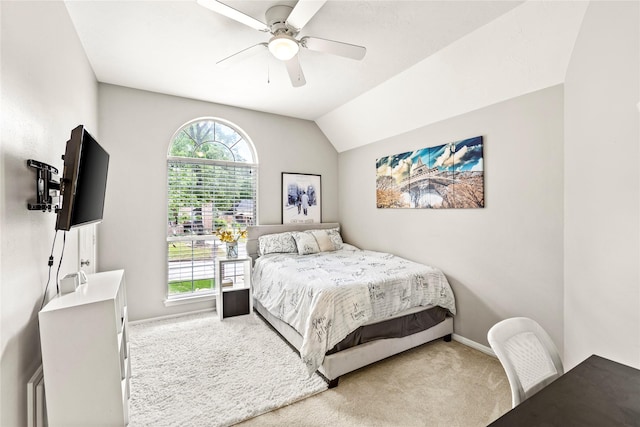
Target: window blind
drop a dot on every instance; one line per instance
(204, 195)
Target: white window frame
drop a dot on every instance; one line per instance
(209, 238)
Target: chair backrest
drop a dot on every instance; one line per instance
(528, 355)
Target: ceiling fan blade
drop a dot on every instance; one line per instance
(295, 72)
(302, 13)
(336, 48)
(242, 55)
(234, 14)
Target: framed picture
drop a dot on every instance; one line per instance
(301, 198)
(446, 176)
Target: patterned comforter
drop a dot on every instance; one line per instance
(327, 295)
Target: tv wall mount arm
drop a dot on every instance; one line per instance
(47, 187)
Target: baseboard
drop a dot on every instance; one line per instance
(473, 344)
(170, 316)
(36, 406)
(456, 337)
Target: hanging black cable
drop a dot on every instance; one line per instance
(64, 241)
(50, 264)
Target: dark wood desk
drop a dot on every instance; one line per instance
(597, 392)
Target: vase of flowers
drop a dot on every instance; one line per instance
(230, 237)
(232, 249)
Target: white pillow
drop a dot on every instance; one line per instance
(334, 235)
(324, 241)
(306, 243)
(277, 243)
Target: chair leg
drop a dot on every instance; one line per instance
(447, 338)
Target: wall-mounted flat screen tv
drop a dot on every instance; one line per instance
(84, 181)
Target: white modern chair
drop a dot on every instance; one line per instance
(528, 355)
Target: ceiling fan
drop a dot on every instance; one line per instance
(284, 23)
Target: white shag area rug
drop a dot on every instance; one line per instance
(199, 371)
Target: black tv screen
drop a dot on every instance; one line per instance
(84, 181)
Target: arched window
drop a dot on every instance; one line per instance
(212, 180)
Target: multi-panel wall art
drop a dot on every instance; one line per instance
(445, 176)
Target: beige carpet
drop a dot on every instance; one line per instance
(437, 384)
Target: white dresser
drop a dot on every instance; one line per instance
(85, 354)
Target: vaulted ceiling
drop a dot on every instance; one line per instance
(413, 49)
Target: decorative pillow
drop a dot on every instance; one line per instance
(334, 235)
(277, 243)
(306, 243)
(324, 241)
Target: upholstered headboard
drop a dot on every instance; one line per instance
(255, 231)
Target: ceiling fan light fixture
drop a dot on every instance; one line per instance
(283, 46)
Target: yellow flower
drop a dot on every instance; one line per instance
(229, 236)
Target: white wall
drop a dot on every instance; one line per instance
(504, 260)
(524, 50)
(136, 129)
(47, 88)
(602, 187)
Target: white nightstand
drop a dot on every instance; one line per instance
(234, 298)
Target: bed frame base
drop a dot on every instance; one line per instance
(333, 383)
(340, 363)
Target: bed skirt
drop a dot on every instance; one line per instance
(396, 327)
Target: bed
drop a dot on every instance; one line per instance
(342, 307)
